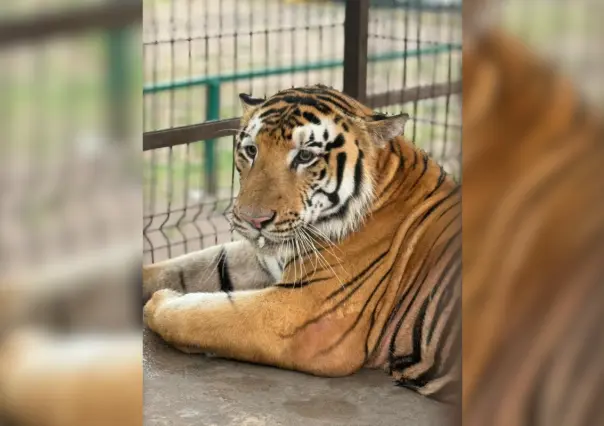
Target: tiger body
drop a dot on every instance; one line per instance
(351, 254)
(533, 222)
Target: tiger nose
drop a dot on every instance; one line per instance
(257, 217)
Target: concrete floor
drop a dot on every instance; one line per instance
(187, 390)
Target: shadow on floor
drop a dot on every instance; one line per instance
(195, 390)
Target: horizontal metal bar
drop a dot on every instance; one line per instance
(314, 66)
(220, 128)
(414, 94)
(187, 134)
(104, 16)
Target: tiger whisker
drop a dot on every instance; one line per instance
(327, 249)
(331, 269)
(308, 247)
(317, 232)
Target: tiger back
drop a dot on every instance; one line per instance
(533, 226)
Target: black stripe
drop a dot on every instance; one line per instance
(328, 311)
(451, 320)
(294, 285)
(324, 109)
(425, 159)
(401, 182)
(334, 197)
(293, 122)
(358, 174)
(272, 111)
(451, 194)
(300, 284)
(325, 92)
(441, 304)
(359, 316)
(335, 103)
(338, 142)
(274, 100)
(360, 275)
(338, 215)
(311, 117)
(372, 321)
(226, 284)
(446, 365)
(446, 295)
(403, 297)
(401, 363)
(181, 278)
(425, 269)
(439, 182)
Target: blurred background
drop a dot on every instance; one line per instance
(567, 33)
(200, 54)
(70, 211)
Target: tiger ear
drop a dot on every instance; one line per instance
(383, 129)
(248, 102)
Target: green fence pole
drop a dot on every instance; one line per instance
(212, 113)
(314, 66)
(117, 82)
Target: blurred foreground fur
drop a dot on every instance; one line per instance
(533, 241)
(66, 357)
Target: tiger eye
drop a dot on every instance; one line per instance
(305, 156)
(251, 150)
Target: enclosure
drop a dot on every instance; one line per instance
(200, 54)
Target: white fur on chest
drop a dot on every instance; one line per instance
(273, 267)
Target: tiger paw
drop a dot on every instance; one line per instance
(155, 305)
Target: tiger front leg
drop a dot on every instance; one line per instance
(286, 328)
(227, 267)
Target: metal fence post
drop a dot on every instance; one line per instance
(356, 30)
(212, 113)
(118, 82)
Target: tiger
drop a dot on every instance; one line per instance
(349, 256)
(533, 240)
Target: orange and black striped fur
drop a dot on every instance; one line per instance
(351, 254)
(533, 246)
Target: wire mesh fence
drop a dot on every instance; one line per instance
(200, 54)
(66, 71)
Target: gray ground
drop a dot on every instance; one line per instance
(187, 390)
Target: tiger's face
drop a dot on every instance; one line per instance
(306, 163)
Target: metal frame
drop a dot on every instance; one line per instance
(103, 16)
(220, 128)
(356, 36)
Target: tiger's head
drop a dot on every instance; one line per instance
(307, 164)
